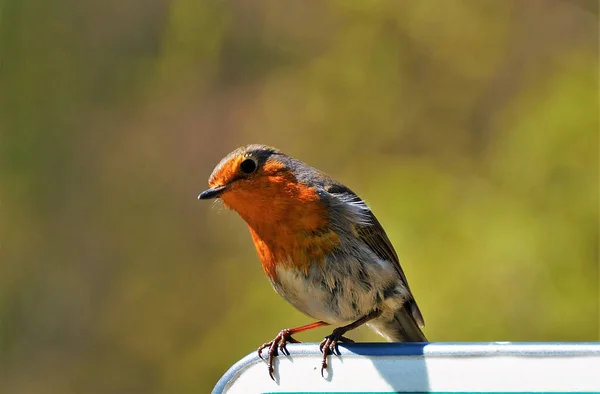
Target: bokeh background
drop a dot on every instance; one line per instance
(470, 127)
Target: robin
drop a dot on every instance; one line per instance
(320, 246)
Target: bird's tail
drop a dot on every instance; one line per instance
(402, 327)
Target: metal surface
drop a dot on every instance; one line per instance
(418, 352)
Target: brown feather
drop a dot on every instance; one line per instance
(374, 236)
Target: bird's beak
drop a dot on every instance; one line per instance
(213, 192)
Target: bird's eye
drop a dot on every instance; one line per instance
(248, 166)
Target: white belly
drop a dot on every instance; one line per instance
(338, 292)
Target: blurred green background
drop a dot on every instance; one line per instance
(470, 127)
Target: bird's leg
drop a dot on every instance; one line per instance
(329, 344)
(281, 340)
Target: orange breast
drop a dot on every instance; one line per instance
(288, 222)
(289, 251)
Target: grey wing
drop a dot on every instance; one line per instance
(371, 232)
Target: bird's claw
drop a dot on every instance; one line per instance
(278, 343)
(329, 345)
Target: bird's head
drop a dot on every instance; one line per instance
(258, 180)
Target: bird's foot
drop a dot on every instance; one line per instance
(329, 345)
(278, 343)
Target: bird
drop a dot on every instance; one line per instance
(320, 246)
